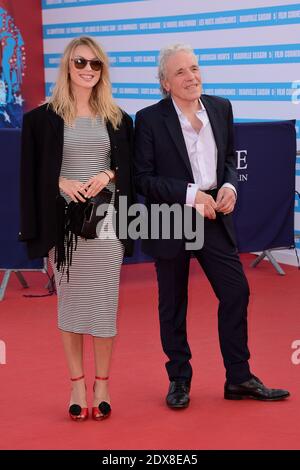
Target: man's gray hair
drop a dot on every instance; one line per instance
(164, 55)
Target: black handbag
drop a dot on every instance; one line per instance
(83, 217)
(77, 219)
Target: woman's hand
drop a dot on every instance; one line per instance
(72, 188)
(96, 183)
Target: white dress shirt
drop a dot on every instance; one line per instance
(202, 151)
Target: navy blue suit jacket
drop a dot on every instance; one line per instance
(162, 166)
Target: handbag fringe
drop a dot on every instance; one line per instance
(66, 240)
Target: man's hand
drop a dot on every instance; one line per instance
(226, 199)
(205, 205)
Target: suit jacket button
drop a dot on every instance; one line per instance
(116, 168)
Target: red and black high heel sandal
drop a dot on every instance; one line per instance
(103, 410)
(76, 412)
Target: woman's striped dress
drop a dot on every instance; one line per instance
(88, 303)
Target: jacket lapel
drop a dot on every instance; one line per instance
(57, 142)
(175, 131)
(57, 123)
(216, 125)
(113, 142)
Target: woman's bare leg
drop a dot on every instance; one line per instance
(73, 346)
(102, 353)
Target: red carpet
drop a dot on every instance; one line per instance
(34, 387)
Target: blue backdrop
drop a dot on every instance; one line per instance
(264, 214)
(12, 253)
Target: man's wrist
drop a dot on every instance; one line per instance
(230, 186)
(191, 192)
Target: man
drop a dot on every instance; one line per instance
(184, 154)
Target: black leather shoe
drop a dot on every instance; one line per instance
(253, 388)
(178, 394)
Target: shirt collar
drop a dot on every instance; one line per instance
(180, 113)
(201, 114)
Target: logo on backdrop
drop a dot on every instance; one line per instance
(296, 92)
(242, 165)
(12, 66)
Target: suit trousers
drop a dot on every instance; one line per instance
(220, 262)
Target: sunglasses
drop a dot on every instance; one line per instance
(80, 63)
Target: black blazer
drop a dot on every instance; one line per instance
(42, 150)
(162, 165)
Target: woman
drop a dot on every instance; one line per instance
(75, 145)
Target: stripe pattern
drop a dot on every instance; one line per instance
(88, 303)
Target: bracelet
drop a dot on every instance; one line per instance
(103, 171)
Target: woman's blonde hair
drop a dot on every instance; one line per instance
(101, 101)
